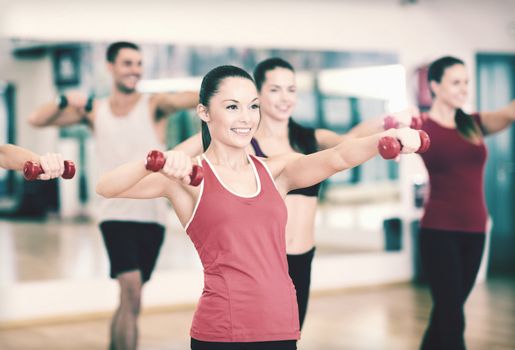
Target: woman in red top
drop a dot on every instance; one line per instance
(236, 218)
(14, 158)
(278, 134)
(453, 226)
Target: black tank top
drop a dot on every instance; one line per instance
(302, 140)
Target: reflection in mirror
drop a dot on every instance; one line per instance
(360, 206)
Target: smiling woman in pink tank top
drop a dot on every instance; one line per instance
(453, 227)
(236, 218)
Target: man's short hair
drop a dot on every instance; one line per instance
(114, 48)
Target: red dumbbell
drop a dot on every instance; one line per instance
(155, 161)
(31, 170)
(389, 147)
(390, 122)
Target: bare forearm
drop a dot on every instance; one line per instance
(191, 146)
(328, 139)
(121, 179)
(303, 171)
(409, 117)
(306, 170)
(171, 103)
(14, 157)
(495, 121)
(45, 115)
(499, 120)
(73, 109)
(355, 151)
(189, 99)
(367, 128)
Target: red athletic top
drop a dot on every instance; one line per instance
(248, 295)
(456, 201)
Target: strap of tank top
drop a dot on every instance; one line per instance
(257, 149)
(259, 162)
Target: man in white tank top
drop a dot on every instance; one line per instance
(126, 125)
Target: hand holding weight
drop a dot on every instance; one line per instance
(390, 147)
(31, 170)
(156, 160)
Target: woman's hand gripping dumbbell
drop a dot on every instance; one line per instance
(50, 166)
(156, 161)
(406, 140)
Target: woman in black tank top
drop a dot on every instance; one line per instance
(279, 133)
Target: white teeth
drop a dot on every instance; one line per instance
(241, 130)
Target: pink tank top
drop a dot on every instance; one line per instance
(248, 295)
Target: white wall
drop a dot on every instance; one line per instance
(428, 25)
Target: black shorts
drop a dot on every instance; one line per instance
(265, 345)
(132, 246)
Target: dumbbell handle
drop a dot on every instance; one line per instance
(389, 147)
(156, 160)
(31, 170)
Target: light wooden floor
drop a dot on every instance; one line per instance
(54, 249)
(388, 317)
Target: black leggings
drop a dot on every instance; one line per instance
(299, 267)
(265, 345)
(450, 261)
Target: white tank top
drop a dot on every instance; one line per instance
(121, 139)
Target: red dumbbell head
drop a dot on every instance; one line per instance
(416, 123)
(69, 169)
(31, 170)
(155, 161)
(389, 147)
(425, 141)
(197, 175)
(390, 122)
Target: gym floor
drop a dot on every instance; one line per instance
(389, 317)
